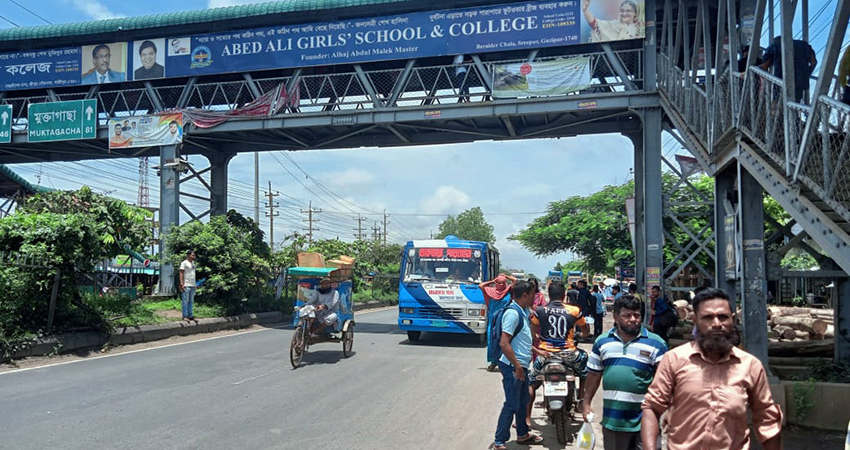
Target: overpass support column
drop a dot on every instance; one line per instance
(724, 241)
(640, 223)
(753, 286)
(169, 210)
(653, 209)
(841, 311)
(218, 181)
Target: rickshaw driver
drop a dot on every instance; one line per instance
(326, 302)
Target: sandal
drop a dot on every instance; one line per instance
(531, 439)
(495, 446)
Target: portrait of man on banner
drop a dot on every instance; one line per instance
(104, 63)
(149, 59)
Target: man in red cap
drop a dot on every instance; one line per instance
(496, 296)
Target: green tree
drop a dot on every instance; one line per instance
(234, 266)
(469, 225)
(64, 231)
(558, 267)
(594, 227)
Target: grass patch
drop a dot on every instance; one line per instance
(145, 312)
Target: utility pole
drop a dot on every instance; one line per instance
(257, 188)
(359, 234)
(271, 214)
(376, 232)
(385, 226)
(310, 220)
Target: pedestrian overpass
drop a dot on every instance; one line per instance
(741, 128)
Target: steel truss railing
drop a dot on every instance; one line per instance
(821, 163)
(407, 86)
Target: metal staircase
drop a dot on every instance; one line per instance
(744, 120)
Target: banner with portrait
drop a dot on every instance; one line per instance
(145, 131)
(491, 28)
(560, 76)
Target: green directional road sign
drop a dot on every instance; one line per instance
(62, 121)
(5, 124)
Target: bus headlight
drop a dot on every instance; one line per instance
(407, 310)
(475, 312)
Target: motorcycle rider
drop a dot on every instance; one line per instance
(555, 325)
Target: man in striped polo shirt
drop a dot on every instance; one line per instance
(624, 359)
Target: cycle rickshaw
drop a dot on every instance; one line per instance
(308, 280)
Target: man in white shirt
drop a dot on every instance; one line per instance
(326, 302)
(188, 285)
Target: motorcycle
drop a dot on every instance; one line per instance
(560, 393)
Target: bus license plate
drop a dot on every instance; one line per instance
(439, 323)
(551, 389)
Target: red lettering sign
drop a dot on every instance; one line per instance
(430, 253)
(463, 253)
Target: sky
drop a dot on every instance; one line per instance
(512, 182)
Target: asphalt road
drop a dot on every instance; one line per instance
(239, 391)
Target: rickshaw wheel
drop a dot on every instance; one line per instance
(298, 347)
(347, 341)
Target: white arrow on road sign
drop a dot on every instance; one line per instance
(5, 117)
(88, 113)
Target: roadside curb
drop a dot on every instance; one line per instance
(72, 342)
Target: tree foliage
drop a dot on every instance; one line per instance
(235, 264)
(594, 227)
(469, 225)
(69, 232)
(370, 255)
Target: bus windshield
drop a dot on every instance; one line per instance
(462, 265)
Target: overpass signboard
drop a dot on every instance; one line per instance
(62, 121)
(5, 124)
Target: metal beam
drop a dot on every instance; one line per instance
(827, 68)
(367, 85)
(187, 92)
(787, 19)
(252, 86)
(154, 96)
(618, 67)
(401, 82)
(485, 76)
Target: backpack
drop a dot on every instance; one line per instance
(494, 351)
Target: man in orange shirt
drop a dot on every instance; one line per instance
(707, 386)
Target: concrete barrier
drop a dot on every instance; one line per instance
(824, 405)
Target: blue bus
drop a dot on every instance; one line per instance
(438, 286)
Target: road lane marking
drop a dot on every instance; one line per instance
(255, 378)
(129, 352)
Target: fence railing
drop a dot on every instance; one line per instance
(825, 162)
(824, 158)
(419, 86)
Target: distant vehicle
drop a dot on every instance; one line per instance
(520, 275)
(555, 275)
(573, 276)
(438, 286)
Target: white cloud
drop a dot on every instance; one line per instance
(224, 3)
(95, 9)
(348, 180)
(445, 200)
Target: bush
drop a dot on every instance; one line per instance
(228, 256)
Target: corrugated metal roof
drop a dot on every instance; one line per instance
(181, 18)
(29, 188)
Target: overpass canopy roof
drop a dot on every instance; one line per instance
(301, 11)
(11, 183)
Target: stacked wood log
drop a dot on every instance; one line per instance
(799, 324)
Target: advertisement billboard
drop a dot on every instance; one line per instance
(515, 26)
(145, 131)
